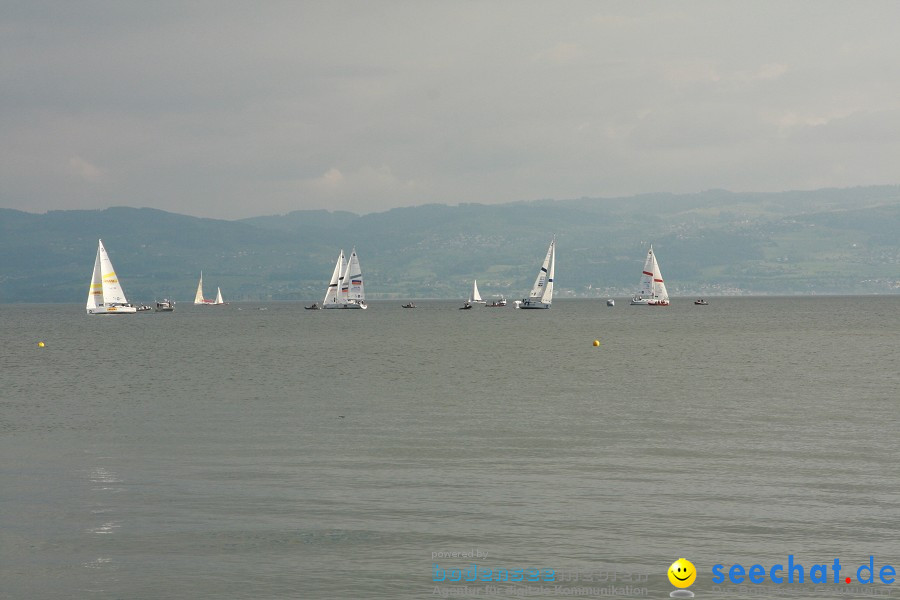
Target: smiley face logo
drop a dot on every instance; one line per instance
(682, 573)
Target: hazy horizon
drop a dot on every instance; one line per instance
(230, 111)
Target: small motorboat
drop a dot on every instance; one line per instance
(143, 308)
(165, 305)
(701, 302)
(466, 306)
(410, 305)
(313, 306)
(497, 303)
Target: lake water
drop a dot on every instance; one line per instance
(232, 452)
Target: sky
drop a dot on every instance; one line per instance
(231, 109)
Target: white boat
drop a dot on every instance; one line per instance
(165, 305)
(345, 290)
(105, 294)
(652, 290)
(497, 303)
(542, 292)
(199, 299)
(475, 298)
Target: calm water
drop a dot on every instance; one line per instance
(230, 452)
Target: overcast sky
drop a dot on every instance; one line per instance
(234, 109)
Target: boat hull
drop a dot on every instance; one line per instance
(112, 310)
(533, 304)
(351, 305)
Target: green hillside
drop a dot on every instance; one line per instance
(716, 242)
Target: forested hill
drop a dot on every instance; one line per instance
(715, 242)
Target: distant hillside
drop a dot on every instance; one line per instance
(715, 242)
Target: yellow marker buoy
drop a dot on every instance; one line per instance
(40, 344)
(596, 343)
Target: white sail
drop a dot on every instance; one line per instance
(547, 297)
(646, 286)
(331, 293)
(343, 282)
(476, 297)
(219, 296)
(537, 290)
(198, 297)
(112, 291)
(95, 291)
(542, 292)
(354, 280)
(660, 294)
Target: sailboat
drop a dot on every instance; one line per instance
(199, 299)
(345, 290)
(105, 295)
(652, 290)
(475, 298)
(542, 292)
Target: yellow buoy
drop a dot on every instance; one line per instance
(40, 344)
(596, 343)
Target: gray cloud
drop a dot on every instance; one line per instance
(236, 109)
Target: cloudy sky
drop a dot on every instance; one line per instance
(233, 109)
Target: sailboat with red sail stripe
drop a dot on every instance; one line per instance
(652, 290)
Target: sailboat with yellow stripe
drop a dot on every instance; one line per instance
(105, 295)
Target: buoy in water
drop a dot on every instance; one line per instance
(596, 343)
(40, 344)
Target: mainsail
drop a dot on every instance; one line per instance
(547, 297)
(112, 291)
(332, 293)
(353, 280)
(537, 291)
(198, 298)
(476, 297)
(659, 287)
(646, 286)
